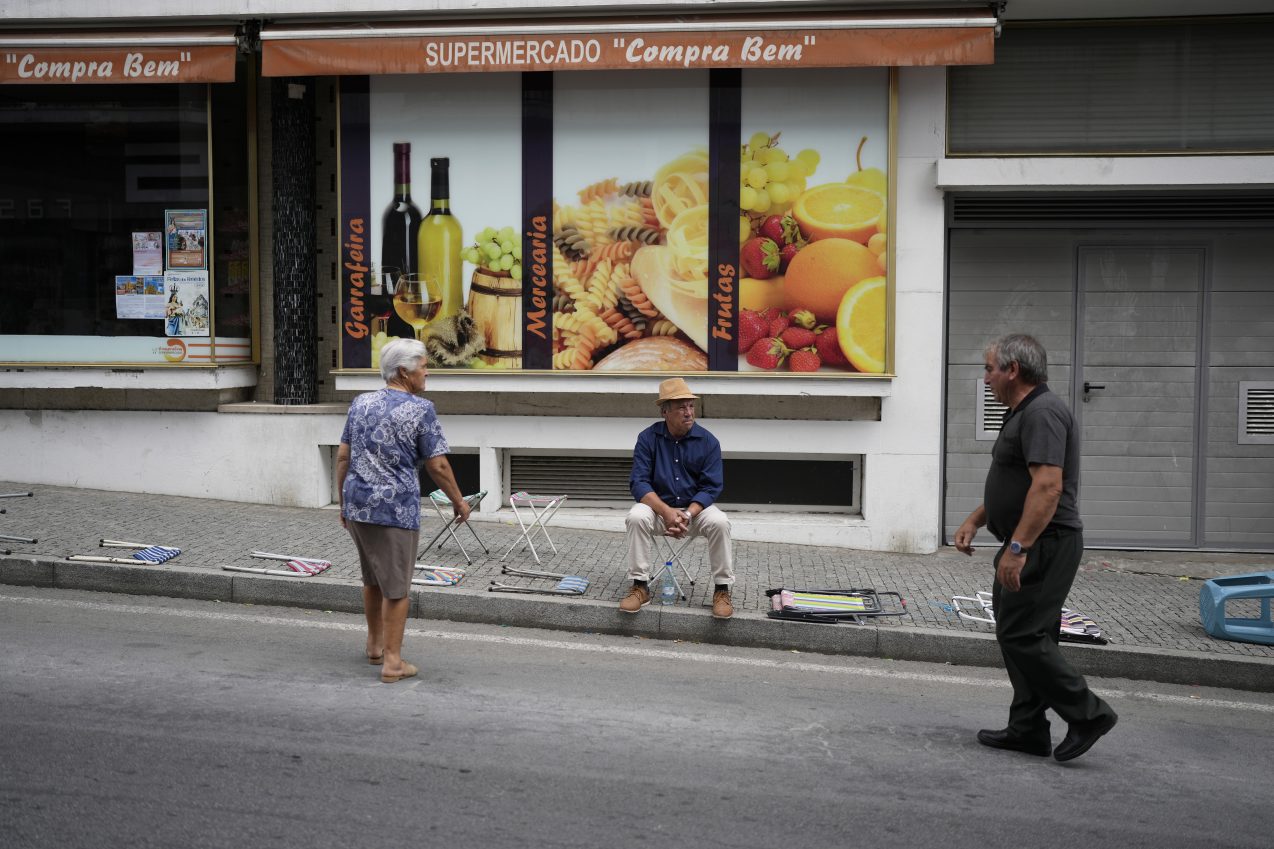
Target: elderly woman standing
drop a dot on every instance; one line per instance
(388, 435)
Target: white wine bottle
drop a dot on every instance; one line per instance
(441, 240)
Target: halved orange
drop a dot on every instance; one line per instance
(839, 211)
(860, 325)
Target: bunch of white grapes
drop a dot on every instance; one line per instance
(496, 250)
(770, 180)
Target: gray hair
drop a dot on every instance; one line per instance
(1032, 361)
(401, 353)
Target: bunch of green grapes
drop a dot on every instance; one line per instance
(496, 250)
(769, 179)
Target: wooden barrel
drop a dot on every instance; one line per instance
(495, 302)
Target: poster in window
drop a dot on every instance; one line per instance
(139, 296)
(186, 306)
(148, 253)
(185, 239)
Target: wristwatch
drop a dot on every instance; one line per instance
(1016, 547)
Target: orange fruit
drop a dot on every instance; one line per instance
(860, 325)
(822, 272)
(839, 211)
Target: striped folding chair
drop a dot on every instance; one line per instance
(442, 505)
(533, 512)
(145, 553)
(293, 566)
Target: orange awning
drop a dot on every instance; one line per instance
(754, 41)
(204, 55)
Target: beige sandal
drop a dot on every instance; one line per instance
(409, 671)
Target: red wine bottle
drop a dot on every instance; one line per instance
(399, 229)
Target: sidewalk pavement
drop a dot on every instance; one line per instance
(1146, 603)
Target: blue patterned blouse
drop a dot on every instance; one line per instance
(390, 434)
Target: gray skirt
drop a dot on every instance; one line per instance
(387, 555)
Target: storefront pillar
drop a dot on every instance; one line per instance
(295, 284)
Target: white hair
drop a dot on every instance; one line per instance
(401, 353)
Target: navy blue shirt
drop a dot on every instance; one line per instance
(679, 471)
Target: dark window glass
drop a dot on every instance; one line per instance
(83, 167)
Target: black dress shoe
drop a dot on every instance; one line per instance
(1004, 740)
(1081, 736)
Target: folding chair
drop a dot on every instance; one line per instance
(833, 606)
(10, 537)
(437, 576)
(566, 584)
(1073, 628)
(146, 553)
(538, 521)
(439, 500)
(294, 567)
(672, 549)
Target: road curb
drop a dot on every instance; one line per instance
(746, 628)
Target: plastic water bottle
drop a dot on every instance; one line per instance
(668, 586)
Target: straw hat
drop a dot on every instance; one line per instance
(674, 389)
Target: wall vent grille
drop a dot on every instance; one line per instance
(1024, 209)
(990, 413)
(1256, 412)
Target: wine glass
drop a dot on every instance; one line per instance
(417, 299)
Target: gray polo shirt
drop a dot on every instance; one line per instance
(1040, 430)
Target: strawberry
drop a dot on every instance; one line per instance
(752, 326)
(768, 353)
(828, 347)
(770, 313)
(805, 359)
(786, 253)
(778, 325)
(772, 228)
(797, 337)
(803, 318)
(759, 257)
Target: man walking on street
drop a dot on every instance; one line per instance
(1030, 504)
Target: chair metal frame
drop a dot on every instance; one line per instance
(439, 499)
(673, 548)
(10, 537)
(538, 523)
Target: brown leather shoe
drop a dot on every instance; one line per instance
(721, 606)
(637, 598)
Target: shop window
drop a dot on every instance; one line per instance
(1156, 88)
(94, 177)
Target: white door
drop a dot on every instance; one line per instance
(1135, 392)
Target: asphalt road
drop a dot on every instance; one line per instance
(140, 722)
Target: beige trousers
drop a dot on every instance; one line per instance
(712, 524)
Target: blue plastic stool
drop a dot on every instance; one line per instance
(1216, 592)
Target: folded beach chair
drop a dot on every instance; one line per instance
(1075, 627)
(293, 567)
(566, 584)
(145, 553)
(437, 576)
(852, 605)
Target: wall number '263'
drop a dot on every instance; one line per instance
(35, 208)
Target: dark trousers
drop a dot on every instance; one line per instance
(1027, 627)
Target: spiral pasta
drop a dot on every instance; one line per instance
(600, 189)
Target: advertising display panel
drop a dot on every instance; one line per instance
(618, 221)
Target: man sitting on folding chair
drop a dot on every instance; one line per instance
(676, 479)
